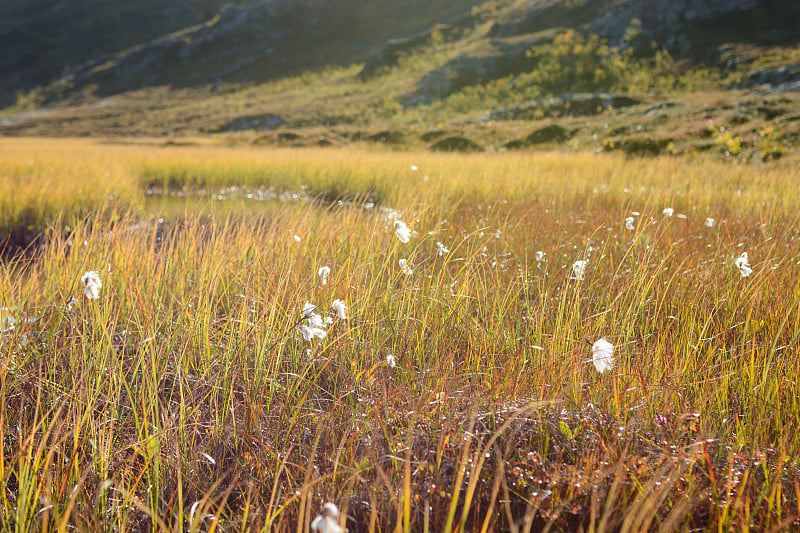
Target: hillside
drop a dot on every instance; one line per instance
(341, 71)
(37, 46)
(117, 47)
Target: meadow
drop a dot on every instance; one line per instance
(197, 390)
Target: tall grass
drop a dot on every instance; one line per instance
(42, 187)
(185, 398)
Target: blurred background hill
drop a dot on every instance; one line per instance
(100, 67)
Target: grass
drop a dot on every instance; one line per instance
(185, 398)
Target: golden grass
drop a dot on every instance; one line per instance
(185, 397)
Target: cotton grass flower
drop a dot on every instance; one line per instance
(629, 224)
(92, 284)
(315, 326)
(308, 309)
(315, 320)
(310, 333)
(709, 222)
(327, 520)
(579, 268)
(296, 238)
(539, 256)
(402, 231)
(441, 249)
(668, 211)
(323, 274)
(340, 309)
(603, 355)
(390, 361)
(404, 267)
(743, 265)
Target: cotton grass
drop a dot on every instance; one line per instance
(203, 349)
(91, 285)
(327, 520)
(603, 355)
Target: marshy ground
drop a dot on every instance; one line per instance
(458, 394)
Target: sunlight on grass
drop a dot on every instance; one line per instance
(455, 386)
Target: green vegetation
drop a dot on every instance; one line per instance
(573, 62)
(668, 105)
(346, 79)
(185, 397)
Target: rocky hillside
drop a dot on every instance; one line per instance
(112, 47)
(198, 67)
(39, 39)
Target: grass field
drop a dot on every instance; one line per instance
(458, 394)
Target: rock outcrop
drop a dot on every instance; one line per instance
(568, 104)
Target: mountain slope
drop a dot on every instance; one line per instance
(115, 46)
(265, 64)
(39, 39)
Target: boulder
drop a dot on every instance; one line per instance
(781, 79)
(253, 122)
(568, 104)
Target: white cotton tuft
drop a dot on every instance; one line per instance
(310, 333)
(603, 355)
(340, 309)
(315, 320)
(629, 224)
(578, 269)
(327, 520)
(323, 274)
(315, 328)
(308, 309)
(402, 231)
(743, 265)
(405, 267)
(92, 285)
